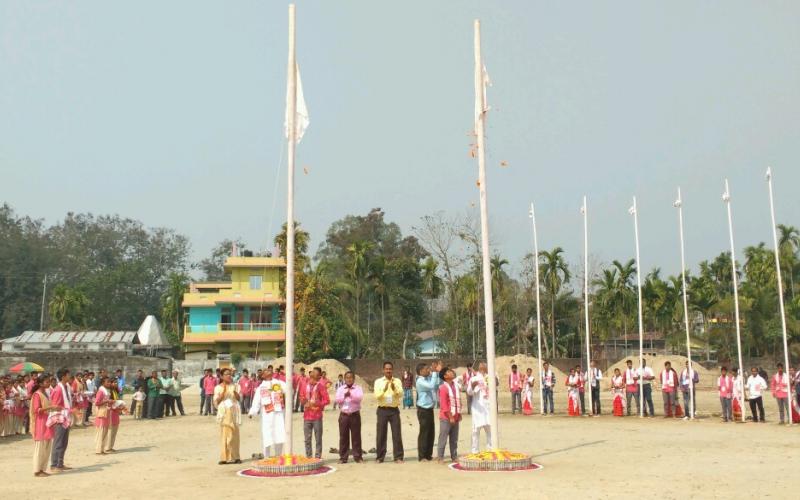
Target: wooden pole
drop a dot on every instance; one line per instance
(726, 197)
(589, 372)
(780, 295)
(690, 370)
(291, 94)
(487, 272)
(635, 214)
(538, 310)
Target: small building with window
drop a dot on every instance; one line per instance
(243, 315)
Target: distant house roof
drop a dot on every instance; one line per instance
(634, 337)
(77, 337)
(428, 334)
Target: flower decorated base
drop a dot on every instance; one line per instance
(288, 465)
(497, 460)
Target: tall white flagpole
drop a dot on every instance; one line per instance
(780, 292)
(538, 308)
(589, 374)
(487, 272)
(726, 197)
(291, 86)
(633, 211)
(679, 205)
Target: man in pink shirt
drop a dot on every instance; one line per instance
(449, 413)
(779, 385)
(298, 383)
(61, 396)
(348, 397)
(245, 391)
(313, 397)
(209, 383)
(515, 386)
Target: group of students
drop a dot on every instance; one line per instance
(57, 403)
(155, 396)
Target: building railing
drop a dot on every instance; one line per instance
(234, 327)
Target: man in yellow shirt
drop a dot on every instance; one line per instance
(389, 392)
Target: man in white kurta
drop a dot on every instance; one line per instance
(268, 400)
(478, 388)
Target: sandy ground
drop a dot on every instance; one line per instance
(604, 457)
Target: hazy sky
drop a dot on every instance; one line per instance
(172, 113)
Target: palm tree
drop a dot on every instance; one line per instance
(379, 277)
(555, 274)
(171, 301)
(624, 296)
(357, 270)
(467, 286)
(788, 245)
(498, 276)
(301, 240)
(68, 306)
(702, 297)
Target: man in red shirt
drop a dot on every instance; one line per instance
(61, 396)
(449, 414)
(314, 398)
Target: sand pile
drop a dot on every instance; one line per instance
(331, 366)
(707, 377)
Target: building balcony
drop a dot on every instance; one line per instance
(234, 332)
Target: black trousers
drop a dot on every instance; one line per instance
(179, 402)
(169, 405)
(426, 433)
(582, 397)
(389, 417)
(60, 443)
(757, 404)
(596, 400)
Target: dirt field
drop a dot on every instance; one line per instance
(602, 457)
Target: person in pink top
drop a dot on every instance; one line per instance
(449, 413)
(102, 402)
(725, 386)
(61, 396)
(298, 383)
(113, 422)
(246, 388)
(779, 385)
(209, 383)
(314, 397)
(669, 382)
(348, 397)
(42, 434)
(515, 386)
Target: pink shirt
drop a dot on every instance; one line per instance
(779, 384)
(316, 393)
(514, 382)
(245, 386)
(208, 385)
(99, 399)
(351, 403)
(39, 428)
(725, 385)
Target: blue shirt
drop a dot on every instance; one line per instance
(121, 384)
(426, 388)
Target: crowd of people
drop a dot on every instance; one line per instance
(47, 406)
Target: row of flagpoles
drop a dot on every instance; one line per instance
(296, 122)
(633, 210)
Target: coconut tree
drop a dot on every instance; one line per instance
(358, 252)
(555, 274)
(171, 301)
(789, 244)
(379, 278)
(431, 284)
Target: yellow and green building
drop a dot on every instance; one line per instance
(244, 315)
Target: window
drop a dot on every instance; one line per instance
(255, 282)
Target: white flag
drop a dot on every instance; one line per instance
(301, 119)
(486, 83)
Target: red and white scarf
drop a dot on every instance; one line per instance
(455, 401)
(668, 380)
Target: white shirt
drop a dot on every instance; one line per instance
(755, 385)
(645, 376)
(597, 376)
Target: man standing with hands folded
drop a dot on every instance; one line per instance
(388, 391)
(348, 397)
